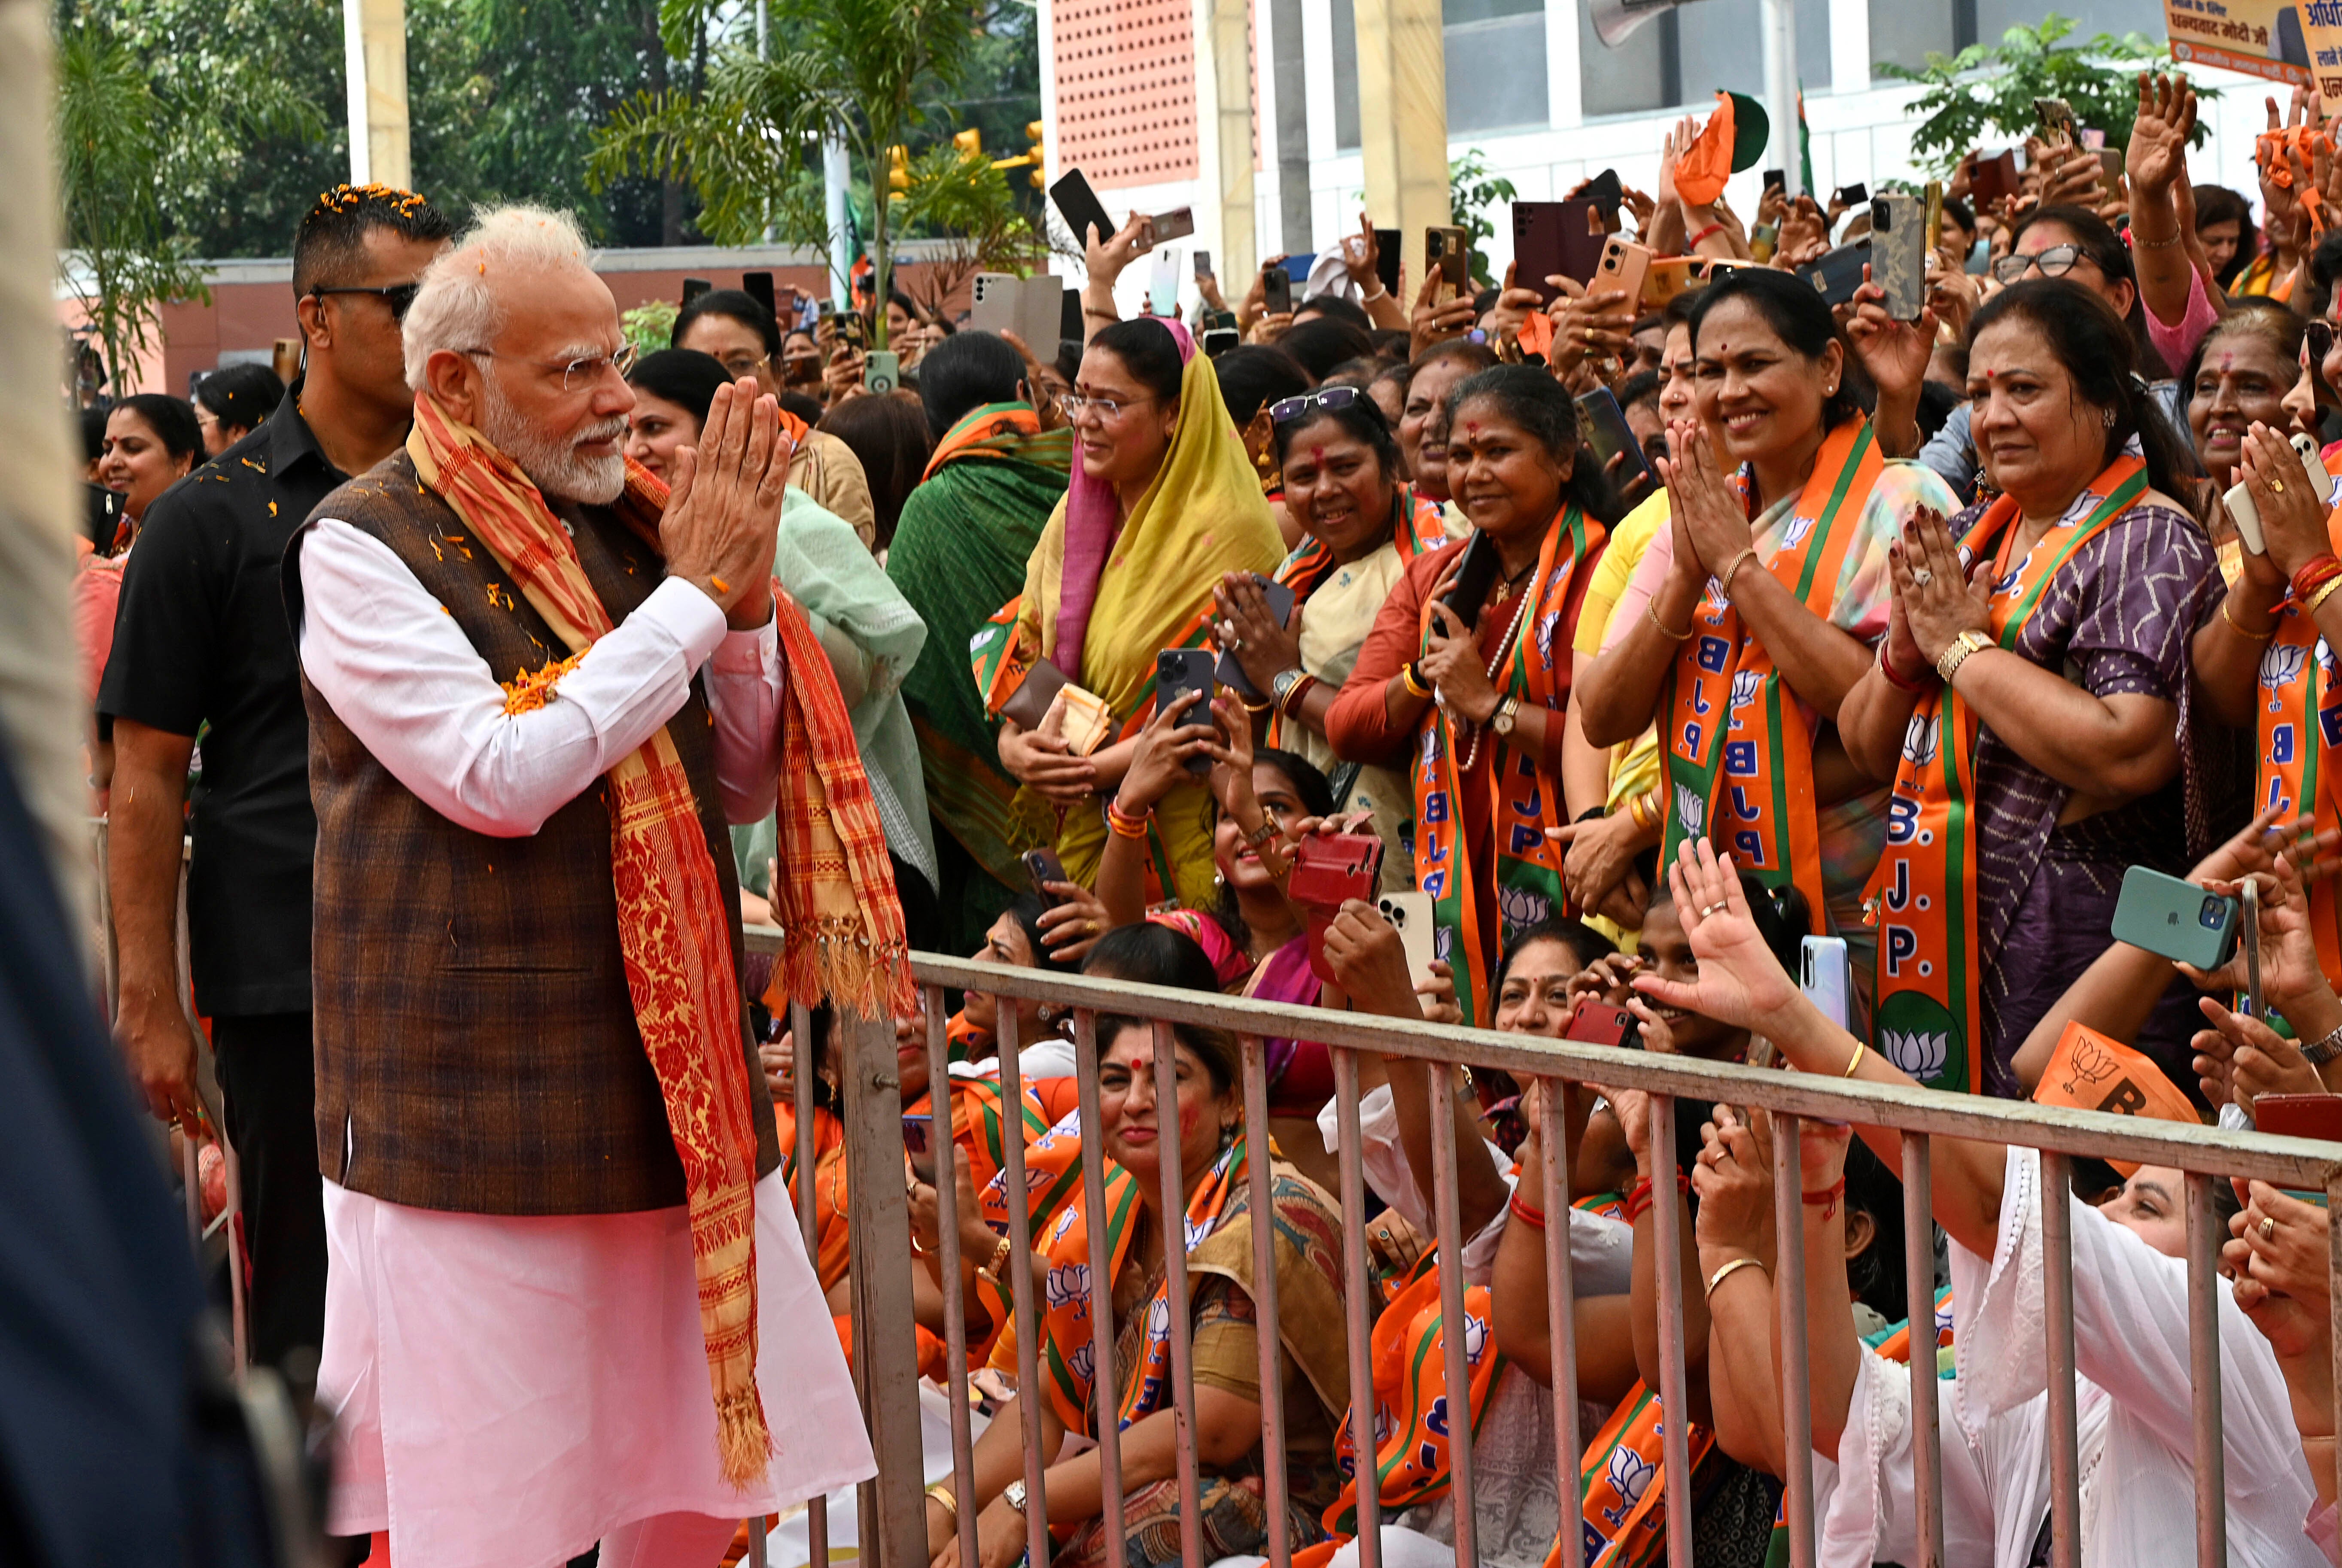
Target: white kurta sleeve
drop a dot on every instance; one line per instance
(396, 669)
(2130, 1340)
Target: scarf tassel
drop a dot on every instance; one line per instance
(744, 1444)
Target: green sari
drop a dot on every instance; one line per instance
(958, 554)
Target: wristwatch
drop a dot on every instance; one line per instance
(1281, 685)
(1012, 1495)
(2321, 1051)
(1967, 642)
(1507, 715)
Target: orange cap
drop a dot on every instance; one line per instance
(1704, 166)
(2092, 1072)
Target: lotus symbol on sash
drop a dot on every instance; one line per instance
(1522, 907)
(1545, 625)
(1691, 811)
(1475, 1339)
(1068, 1284)
(1746, 685)
(1919, 740)
(1919, 1052)
(1630, 1474)
(2280, 667)
(1795, 533)
(1715, 599)
(1084, 1358)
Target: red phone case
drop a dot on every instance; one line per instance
(1328, 870)
(2299, 1115)
(1598, 1023)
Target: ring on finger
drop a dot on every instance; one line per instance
(2267, 1227)
(1922, 576)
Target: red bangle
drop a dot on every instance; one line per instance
(1918, 687)
(1525, 1215)
(1638, 1197)
(1827, 1199)
(2315, 575)
(1716, 227)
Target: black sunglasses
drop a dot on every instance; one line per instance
(397, 295)
(1286, 410)
(2317, 342)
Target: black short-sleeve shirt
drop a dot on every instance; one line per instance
(201, 637)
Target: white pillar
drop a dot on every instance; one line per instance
(374, 47)
(1779, 26)
(837, 178)
(1849, 26)
(1563, 89)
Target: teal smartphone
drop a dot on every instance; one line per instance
(2177, 919)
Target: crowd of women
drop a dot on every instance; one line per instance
(1914, 634)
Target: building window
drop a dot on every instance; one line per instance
(1902, 34)
(1495, 64)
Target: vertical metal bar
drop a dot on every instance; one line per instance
(1275, 1482)
(801, 1076)
(1029, 1327)
(1561, 1321)
(1358, 1309)
(757, 1556)
(2205, 1233)
(2334, 1294)
(1106, 1397)
(191, 1190)
(939, 1101)
(2057, 1307)
(1796, 1371)
(1173, 1190)
(878, 1235)
(1454, 1329)
(1919, 1291)
(1675, 1405)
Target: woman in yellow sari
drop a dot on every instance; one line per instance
(1162, 503)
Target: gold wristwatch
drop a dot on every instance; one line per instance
(1967, 642)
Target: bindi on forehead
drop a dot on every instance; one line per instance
(1317, 455)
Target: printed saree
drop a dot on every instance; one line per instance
(1102, 596)
(958, 554)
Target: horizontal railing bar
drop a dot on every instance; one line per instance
(2290, 1162)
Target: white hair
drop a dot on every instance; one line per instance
(458, 306)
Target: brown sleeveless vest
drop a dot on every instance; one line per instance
(475, 1043)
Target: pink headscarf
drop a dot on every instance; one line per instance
(1230, 964)
(1092, 515)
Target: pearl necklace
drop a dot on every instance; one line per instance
(1504, 647)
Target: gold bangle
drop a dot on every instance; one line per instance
(2143, 242)
(1651, 608)
(1720, 1276)
(2322, 594)
(2246, 633)
(1734, 570)
(941, 1492)
(1861, 1049)
(1407, 678)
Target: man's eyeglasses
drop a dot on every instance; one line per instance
(576, 374)
(2054, 261)
(399, 296)
(1074, 403)
(1286, 410)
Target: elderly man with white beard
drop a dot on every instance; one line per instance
(537, 688)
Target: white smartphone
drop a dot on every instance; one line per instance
(1411, 914)
(1825, 977)
(2247, 517)
(996, 298)
(1163, 289)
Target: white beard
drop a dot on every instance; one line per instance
(553, 466)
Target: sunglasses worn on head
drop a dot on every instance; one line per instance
(1286, 410)
(397, 295)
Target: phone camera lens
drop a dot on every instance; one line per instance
(2214, 912)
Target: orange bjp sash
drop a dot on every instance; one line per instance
(2293, 731)
(1416, 529)
(1739, 752)
(674, 928)
(1922, 895)
(1522, 802)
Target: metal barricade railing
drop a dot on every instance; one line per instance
(892, 1512)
